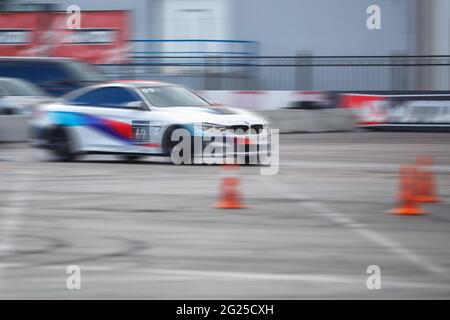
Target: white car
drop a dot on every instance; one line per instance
(138, 118)
(20, 97)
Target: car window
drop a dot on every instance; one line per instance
(106, 97)
(15, 87)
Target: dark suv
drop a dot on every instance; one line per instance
(56, 76)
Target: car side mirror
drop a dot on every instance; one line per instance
(135, 105)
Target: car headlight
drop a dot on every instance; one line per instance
(211, 128)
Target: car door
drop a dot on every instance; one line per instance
(113, 119)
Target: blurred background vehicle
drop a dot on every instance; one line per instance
(20, 97)
(55, 76)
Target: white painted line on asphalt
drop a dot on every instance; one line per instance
(252, 276)
(353, 165)
(10, 218)
(361, 229)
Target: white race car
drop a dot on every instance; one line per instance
(137, 118)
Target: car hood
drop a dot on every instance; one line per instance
(216, 115)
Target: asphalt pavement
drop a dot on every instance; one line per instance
(147, 230)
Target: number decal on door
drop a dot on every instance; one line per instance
(141, 131)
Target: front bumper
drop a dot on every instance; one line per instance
(240, 148)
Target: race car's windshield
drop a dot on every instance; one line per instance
(164, 97)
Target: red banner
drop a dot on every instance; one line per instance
(101, 38)
(369, 109)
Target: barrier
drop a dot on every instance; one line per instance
(273, 105)
(269, 104)
(264, 100)
(413, 112)
(14, 128)
(323, 120)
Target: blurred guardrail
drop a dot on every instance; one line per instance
(252, 72)
(320, 120)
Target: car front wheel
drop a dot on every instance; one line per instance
(61, 145)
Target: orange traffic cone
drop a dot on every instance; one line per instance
(230, 197)
(426, 187)
(407, 204)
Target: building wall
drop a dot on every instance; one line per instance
(322, 27)
(433, 38)
(293, 27)
(285, 27)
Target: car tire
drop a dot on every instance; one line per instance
(61, 145)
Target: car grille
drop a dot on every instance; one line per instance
(243, 129)
(257, 128)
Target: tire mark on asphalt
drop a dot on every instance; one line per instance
(131, 248)
(12, 215)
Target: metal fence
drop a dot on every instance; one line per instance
(332, 73)
(189, 47)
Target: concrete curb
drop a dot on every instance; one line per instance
(14, 128)
(299, 120)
